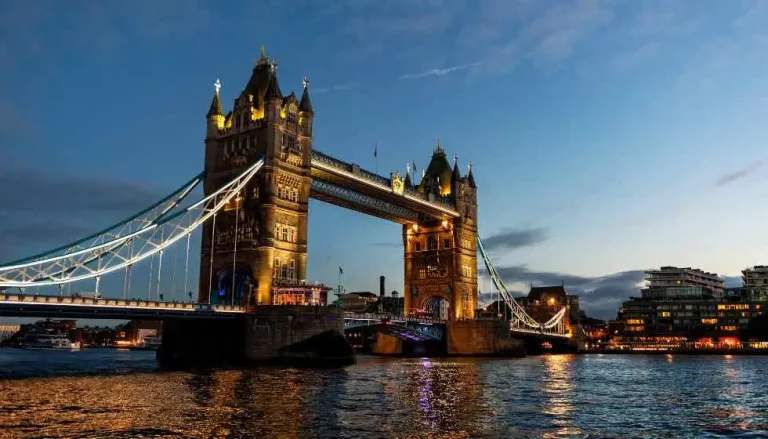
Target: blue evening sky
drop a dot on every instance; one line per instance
(606, 137)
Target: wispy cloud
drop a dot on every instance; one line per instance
(638, 55)
(737, 175)
(510, 239)
(321, 90)
(441, 72)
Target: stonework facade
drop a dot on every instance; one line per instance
(256, 248)
(440, 255)
(261, 239)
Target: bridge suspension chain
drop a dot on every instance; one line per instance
(129, 245)
(520, 318)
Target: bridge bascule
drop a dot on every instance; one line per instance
(260, 171)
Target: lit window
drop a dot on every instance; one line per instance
(292, 270)
(277, 267)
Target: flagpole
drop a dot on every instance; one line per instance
(376, 157)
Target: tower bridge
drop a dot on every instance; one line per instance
(260, 170)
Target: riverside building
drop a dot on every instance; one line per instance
(688, 308)
(756, 276)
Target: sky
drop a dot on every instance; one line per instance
(606, 137)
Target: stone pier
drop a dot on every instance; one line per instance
(482, 338)
(295, 335)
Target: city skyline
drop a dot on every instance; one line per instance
(595, 146)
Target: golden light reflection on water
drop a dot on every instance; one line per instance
(558, 391)
(548, 396)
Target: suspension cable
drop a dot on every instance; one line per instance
(234, 253)
(210, 264)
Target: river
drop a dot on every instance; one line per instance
(120, 394)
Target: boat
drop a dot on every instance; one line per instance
(47, 340)
(147, 344)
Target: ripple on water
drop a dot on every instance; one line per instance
(110, 394)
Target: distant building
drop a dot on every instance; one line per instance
(6, 331)
(393, 305)
(756, 276)
(542, 303)
(673, 277)
(696, 310)
(361, 301)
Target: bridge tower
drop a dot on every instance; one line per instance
(440, 254)
(259, 242)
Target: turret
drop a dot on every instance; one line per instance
(215, 115)
(455, 177)
(305, 105)
(306, 114)
(408, 180)
(437, 177)
(471, 178)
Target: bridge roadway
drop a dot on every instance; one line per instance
(28, 305)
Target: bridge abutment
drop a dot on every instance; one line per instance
(386, 344)
(294, 335)
(482, 338)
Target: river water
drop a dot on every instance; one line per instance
(120, 394)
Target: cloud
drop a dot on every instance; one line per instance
(34, 191)
(638, 55)
(39, 210)
(93, 25)
(599, 296)
(501, 33)
(509, 239)
(340, 87)
(741, 173)
(440, 72)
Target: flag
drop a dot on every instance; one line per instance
(341, 271)
(376, 150)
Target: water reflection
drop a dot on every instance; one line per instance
(558, 391)
(548, 396)
(444, 396)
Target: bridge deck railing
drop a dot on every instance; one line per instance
(394, 318)
(115, 303)
(376, 179)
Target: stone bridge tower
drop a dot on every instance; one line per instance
(259, 241)
(441, 255)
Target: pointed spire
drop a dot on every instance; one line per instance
(408, 181)
(216, 108)
(456, 175)
(470, 177)
(263, 59)
(273, 89)
(438, 149)
(305, 104)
